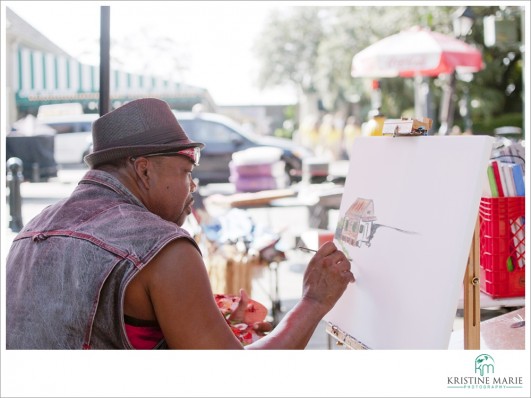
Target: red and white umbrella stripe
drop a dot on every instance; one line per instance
(416, 51)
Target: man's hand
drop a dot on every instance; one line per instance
(327, 276)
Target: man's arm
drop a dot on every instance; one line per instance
(177, 290)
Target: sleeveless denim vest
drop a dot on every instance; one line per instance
(68, 269)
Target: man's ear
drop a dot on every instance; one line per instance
(141, 167)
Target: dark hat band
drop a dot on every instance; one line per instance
(156, 136)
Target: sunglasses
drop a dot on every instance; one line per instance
(191, 153)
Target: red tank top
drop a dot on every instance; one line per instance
(143, 335)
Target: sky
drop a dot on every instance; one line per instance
(213, 40)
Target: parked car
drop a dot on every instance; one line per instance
(222, 137)
(32, 143)
(73, 138)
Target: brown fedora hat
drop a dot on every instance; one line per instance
(137, 128)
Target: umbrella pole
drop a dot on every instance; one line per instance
(446, 113)
(422, 97)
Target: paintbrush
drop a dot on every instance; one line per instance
(308, 250)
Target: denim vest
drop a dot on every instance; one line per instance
(68, 269)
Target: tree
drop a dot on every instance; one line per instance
(312, 48)
(496, 92)
(288, 48)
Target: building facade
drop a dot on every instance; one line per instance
(38, 72)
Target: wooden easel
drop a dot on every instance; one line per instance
(471, 305)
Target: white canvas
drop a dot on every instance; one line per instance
(409, 269)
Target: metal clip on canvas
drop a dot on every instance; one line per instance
(406, 127)
(344, 338)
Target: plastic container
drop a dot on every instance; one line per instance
(256, 184)
(258, 169)
(256, 155)
(275, 169)
(502, 244)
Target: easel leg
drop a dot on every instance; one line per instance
(276, 306)
(471, 295)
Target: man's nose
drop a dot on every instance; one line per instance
(194, 183)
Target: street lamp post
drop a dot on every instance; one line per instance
(105, 42)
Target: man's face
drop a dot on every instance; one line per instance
(171, 188)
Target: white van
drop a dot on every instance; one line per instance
(74, 133)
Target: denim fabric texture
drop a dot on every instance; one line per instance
(68, 269)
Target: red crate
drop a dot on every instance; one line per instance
(502, 237)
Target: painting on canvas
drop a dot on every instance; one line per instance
(406, 220)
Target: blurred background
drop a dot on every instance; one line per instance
(276, 69)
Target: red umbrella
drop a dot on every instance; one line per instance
(416, 52)
(419, 52)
